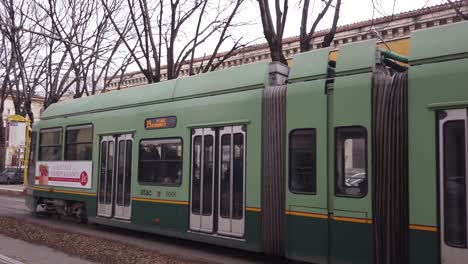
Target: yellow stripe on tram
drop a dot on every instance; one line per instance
(311, 215)
(253, 209)
(51, 190)
(352, 220)
(423, 228)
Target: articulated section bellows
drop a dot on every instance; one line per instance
(390, 165)
(273, 169)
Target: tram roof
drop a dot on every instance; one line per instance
(245, 77)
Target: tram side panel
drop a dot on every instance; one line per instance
(438, 95)
(173, 208)
(350, 170)
(48, 161)
(165, 207)
(307, 207)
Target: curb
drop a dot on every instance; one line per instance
(6, 192)
(8, 260)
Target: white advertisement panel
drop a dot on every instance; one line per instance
(75, 174)
(17, 134)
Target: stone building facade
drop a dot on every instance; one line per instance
(36, 105)
(388, 29)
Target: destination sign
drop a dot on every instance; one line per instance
(161, 122)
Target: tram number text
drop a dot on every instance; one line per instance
(170, 194)
(146, 192)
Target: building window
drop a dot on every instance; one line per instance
(50, 146)
(302, 161)
(406, 30)
(351, 161)
(79, 143)
(161, 162)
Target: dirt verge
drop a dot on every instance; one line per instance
(87, 247)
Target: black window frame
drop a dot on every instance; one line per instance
(39, 156)
(65, 147)
(365, 191)
(181, 161)
(290, 161)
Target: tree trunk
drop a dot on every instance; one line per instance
(328, 39)
(28, 110)
(2, 145)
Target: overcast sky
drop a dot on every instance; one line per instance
(351, 11)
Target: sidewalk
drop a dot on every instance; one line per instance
(16, 189)
(14, 251)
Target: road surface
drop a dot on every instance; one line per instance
(14, 206)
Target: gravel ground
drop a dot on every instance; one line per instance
(91, 248)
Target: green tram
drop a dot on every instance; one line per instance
(362, 160)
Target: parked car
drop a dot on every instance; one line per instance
(11, 175)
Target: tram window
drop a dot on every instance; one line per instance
(238, 177)
(351, 161)
(161, 162)
(302, 161)
(79, 143)
(454, 168)
(225, 175)
(50, 146)
(208, 175)
(128, 173)
(196, 174)
(32, 158)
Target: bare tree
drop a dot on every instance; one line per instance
(457, 5)
(81, 47)
(274, 33)
(305, 37)
(328, 39)
(29, 68)
(7, 60)
(160, 31)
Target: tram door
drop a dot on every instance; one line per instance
(453, 165)
(217, 201)
(231, 212)
(114, 197)
(202, 175)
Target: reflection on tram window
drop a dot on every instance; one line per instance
(128, 173)
(351, 161)
(79, 143)
(161, 162)
(232, 173)
(103, 172)
(238, 177)
(196, 177)
(110, 172)
(50, 144)
(454, 167)
(208, 175)
(302, 155)
(225, 176)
